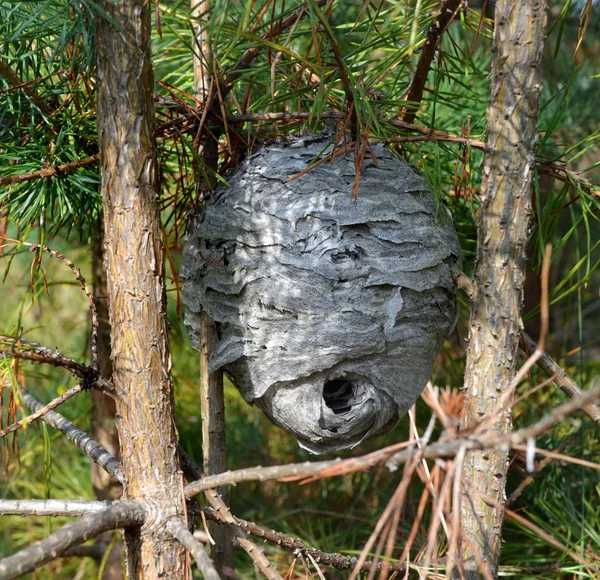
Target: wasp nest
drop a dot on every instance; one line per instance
(329, 310)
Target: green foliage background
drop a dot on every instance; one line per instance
(47, 118)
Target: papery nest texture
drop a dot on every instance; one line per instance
(330, 308)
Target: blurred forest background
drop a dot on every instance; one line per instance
(47, 120)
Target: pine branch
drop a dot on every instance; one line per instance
(119, 515)
(16, 82)
(554, 169)
(47, 172)
(274, 31)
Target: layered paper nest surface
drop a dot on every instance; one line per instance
(330, 309)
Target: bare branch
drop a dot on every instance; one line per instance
(561, 379)
(180, 532)
(222, 510)
(335, 560)
(414, 94)
(51, 405)
(257, 474)
(34, 352)
(119, 515)
(52, 507)
(95, 551)
(91, 448)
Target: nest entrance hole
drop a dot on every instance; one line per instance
(339, 394)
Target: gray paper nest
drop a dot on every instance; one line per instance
(330, 311)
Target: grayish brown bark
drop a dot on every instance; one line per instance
(135, 266)
(502, 239)
(72, 534)
(91, 448)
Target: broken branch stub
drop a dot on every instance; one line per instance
(330, 311)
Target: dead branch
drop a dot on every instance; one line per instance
(34, 352)
(179, 531)
(414, 94)
(51, 405)
(119, 515)
(36, 248)
(440, 449)
(297, 470)
(335, 560)
(552, 369)
(91, 448)
(51, 507)
(222, 510)
(94, 551)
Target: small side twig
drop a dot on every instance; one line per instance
(52, 171)
(84, 285)
(120, 515)
(179, 531)
(41, 412)
(34, 352)
(91, 448)
(334, 560)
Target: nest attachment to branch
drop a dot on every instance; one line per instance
(330, 310)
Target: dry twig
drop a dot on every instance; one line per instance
(41, 412)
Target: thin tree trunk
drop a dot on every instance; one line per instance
(103, 428)
(502, 239)
(135, 267)
(211, 384)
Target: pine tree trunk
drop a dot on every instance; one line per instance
(135, 267)
(502, 239)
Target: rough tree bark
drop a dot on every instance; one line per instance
(502, 239)
(141, 360)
